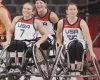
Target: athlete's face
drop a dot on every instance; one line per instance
(72, 11)
(27, 10)
(40, 5)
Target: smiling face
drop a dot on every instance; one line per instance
(27, 10)
(72, 10)
(40, 5)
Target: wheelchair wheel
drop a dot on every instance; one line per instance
(28, 62)
(11, 78)
(4, 59)
(97, 69)
(53, 70)
(40, 62)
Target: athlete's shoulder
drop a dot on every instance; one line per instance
(53, 17)
(53, 13)
(36, 21)
(81, 20)
(17, 18)
(3, 11)
(60, 22)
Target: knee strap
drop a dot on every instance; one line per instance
(12, 46)
(21, 46)
(18, 46)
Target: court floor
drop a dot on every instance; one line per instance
(35, 78)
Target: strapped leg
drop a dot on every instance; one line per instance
(16, 50)
(79, 51)
(12, 50)
(21, 47)
(72, 55)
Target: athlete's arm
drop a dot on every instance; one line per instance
(59, 32)
(86, 33)
(42, 31)
(54, 19)
(11, 30)
(5, 18)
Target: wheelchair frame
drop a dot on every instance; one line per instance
(58, 63)
(36, 63)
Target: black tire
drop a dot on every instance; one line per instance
(41, 62)
(12, 77)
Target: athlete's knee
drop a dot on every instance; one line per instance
(79, 45)
(12, 46)
(71, 46)
(18, 46)
(45, 45)
(79, 50)
(21, 46)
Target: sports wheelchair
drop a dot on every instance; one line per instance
(61, 67)
(18, 60)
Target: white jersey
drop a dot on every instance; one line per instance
(73, 32)
(46, 23)
(25, 29)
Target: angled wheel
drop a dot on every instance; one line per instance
(96, 68)
(28, 62)
(4, 59)
(40, 62)
(12, 77)
(53, 70)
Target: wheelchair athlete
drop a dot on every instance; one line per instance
(24, 27)
(75, 33)
(49, 20)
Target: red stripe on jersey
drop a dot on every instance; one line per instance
(29, 21)
(75, 25)
(44, 18)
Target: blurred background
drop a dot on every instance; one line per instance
(89, 10)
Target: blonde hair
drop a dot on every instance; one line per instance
(30, 3)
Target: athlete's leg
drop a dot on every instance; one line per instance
(45, 46)
(21, 47)
(12, 49)
(79, 51)
(72, 54)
